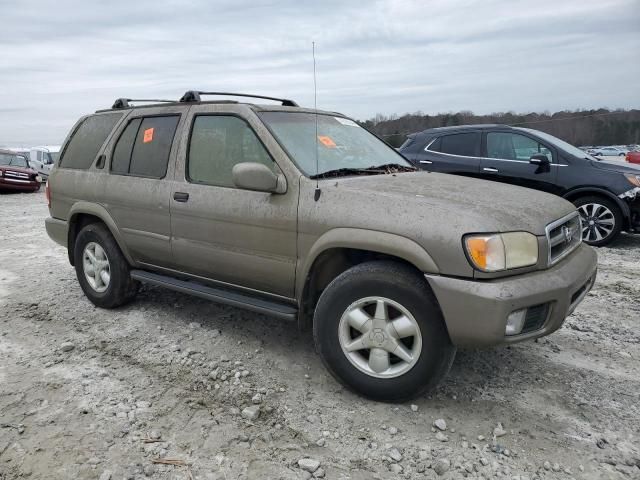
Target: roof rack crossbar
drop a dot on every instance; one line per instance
(124, 102)
(194, 96)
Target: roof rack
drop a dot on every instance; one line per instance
(124, 102)
(194, 96)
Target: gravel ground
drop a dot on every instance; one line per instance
(219, 393)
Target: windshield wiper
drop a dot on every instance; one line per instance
(372, 170)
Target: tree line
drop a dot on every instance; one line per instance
(581, 127)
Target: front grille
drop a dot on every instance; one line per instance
(563, 236)
(19, 175)
(535, 318)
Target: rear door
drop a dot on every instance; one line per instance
(136, 185)
(457, 153)
(506, 159)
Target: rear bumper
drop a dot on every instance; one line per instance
(476, 312)
(57, 230)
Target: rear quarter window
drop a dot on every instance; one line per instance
(87, 139)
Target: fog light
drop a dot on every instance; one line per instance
(515, 322)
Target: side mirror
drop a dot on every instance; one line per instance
(257, 177)
(541, 161)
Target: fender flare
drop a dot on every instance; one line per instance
(577, 192)
(370, 240)
(100, 212)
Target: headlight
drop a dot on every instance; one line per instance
(502, 251)
(633, 179)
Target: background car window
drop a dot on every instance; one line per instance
(513, 146)
(86, 141)
(464, 144)
(218, 142)
(122, 152)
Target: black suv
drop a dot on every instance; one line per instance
(607, 194)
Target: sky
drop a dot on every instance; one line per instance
(62, 59)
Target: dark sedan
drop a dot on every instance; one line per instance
(607, 194)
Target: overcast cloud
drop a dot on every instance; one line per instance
(61, 59)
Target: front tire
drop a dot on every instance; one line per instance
(379, 331)
(601, 220)
(102, 270)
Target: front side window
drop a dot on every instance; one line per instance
(513, 146)
(218, 143)
(86, 141)
(144, 146)
(461, 144)
(336, 142)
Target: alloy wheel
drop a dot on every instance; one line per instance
(380, 337)
(598, 222)
(96, 267)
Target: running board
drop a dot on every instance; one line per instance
(235, 299)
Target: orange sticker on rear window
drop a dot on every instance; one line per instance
(148, 135)
(327, 141)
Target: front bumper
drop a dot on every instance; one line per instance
(19, 185)
(475, 312)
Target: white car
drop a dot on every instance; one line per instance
(41, 158)
(609, 151)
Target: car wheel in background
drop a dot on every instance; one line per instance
(379, 331)
(102, 270)
(601, 220)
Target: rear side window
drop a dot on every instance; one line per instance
(86, 141)
(463, 144)
(144, 146)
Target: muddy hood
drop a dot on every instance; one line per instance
(475, 205)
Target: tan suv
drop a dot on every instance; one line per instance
(304, 215)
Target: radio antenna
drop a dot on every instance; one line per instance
(316, 194)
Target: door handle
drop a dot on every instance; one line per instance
(489, 169)
(426, 161)
(180, 196)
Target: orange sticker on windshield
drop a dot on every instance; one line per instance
(148, 135)
(327, 141)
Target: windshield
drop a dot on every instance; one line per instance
(562, 145)
(13, 160)
(341, 143)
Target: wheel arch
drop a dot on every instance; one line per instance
(601, 192)
(83, 214)
(340, 249)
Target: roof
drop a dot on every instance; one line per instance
(463, 128)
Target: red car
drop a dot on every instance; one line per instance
(633, 157)
(16, 174)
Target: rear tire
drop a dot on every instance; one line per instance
(379, 331)
(102, 270)
(601, 220)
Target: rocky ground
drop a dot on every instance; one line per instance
(175, 387)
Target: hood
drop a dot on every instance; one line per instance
(475, 205)
(616, 167)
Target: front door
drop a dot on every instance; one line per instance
(238, 237)
(507, 160)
